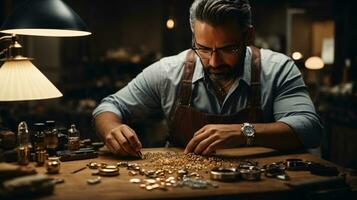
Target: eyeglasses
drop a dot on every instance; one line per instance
(224, 52)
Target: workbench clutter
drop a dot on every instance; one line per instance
(17, 181)
(45, 146)
(42, 140)
(168, 170)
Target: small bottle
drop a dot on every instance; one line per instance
(39, 136)
(51, 137)
(39, 143)
(24, 145)
(73, 138)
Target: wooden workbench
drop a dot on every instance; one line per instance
(76, 187)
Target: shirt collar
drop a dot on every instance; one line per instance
(199, 73)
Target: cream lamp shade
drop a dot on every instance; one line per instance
(314, 63)
(21, 80)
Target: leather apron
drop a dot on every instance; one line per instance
(186, 120)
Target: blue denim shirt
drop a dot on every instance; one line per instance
(284, 96)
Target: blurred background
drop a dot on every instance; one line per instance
(129, 35)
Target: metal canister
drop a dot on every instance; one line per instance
(41, 157)
(53, 165)
(23, 155)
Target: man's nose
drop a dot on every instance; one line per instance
(215, 59)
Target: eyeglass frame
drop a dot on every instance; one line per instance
(234, 49)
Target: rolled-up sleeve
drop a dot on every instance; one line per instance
(293, 105)
(140, 98)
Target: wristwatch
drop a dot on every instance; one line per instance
(249, 132)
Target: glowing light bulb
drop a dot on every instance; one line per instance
(170, 23)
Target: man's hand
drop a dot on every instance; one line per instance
(215, 136)
(123, 141)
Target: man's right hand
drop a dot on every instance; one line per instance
(123, 141)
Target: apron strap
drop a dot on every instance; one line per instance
(255, 92)
(185, 92)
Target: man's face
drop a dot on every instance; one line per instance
(219, 47)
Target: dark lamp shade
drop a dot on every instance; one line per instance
(45, 18)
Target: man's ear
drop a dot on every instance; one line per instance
(249, 36)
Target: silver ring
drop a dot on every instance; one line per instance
(252, 174)
(225, 174)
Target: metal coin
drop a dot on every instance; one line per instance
(94, 181)
(150, 181)
(135, 180)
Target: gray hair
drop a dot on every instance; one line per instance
(216, 12)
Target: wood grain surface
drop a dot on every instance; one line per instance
(76, 187)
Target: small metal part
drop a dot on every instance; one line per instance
(224, 174)
(149, 187)
(137, 168)
(122, 164)
(247, 164)
(94, 181)
(181, 173)
(295, 164)
(135, 180)
(109, 171)
(131, 166)
(78, 170)
(58, 180)
(283, 177)
(53, 165)
(274, 169)
(150, 181)
(252, 174)
(111, 167)
(132, 173)
(94, 165)
(154, 186)
(194, 174)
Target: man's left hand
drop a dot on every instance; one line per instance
(215, 136)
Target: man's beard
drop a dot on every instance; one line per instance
(227, 72)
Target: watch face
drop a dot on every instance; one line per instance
(249, 131)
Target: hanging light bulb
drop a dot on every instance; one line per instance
(170, 23)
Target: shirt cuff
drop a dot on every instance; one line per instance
(103, 107)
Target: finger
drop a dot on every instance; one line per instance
(194, 141)
(124, 143)
(200, 131)
(211, 149)
(118, 149)
(133, 139)
(108, 142)
(205, 143)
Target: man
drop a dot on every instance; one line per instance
(220, 94)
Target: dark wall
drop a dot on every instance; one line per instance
(121, 23)
(346, 39)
